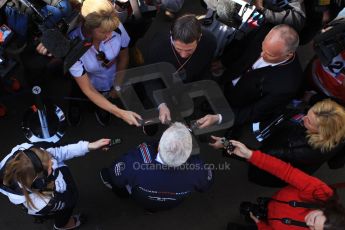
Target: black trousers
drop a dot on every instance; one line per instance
(62, 204)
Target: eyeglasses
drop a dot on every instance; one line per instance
(101, 57)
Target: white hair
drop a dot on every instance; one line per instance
(175, 145)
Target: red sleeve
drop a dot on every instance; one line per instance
(293, 176)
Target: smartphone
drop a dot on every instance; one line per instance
(113, 142)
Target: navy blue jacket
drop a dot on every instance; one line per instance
(154, 185)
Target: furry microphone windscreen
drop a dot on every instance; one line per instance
(226, 9)
(55, 42)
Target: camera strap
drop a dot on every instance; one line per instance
(289, 221)
(294, 204)
(298, 204)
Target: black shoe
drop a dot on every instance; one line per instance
(102, 116)
(73, 115)
(105, 177)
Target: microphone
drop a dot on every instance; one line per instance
(212, 4)
(231, 12)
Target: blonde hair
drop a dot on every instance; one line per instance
(330, 119)
(99, 14)
(20, 169)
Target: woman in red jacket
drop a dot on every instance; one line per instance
(302, 188)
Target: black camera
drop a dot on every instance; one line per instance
(54, 25)
(259, 210)
(232, 13)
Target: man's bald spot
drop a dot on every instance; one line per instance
(287, 35)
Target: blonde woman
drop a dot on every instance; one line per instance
(306, 141)
(96, 70)
(38, 180)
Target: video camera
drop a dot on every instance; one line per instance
(233, 13)
(54, 23)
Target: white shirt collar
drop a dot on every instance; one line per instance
(159, 159)
(260, 63)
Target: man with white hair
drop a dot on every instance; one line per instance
(159, 178)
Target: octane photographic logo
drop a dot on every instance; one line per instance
(225, 166)
(177, 95)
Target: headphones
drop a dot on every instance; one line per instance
(41, 182)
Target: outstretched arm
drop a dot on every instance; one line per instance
(75, 150)
(293, 176)
(97, 98)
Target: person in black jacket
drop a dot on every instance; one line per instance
(267, 83)
(319, 139)
(188, 48)
(305, 141)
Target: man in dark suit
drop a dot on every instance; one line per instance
(188, 48)
(263, 87)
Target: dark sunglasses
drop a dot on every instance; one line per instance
(101, 57)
